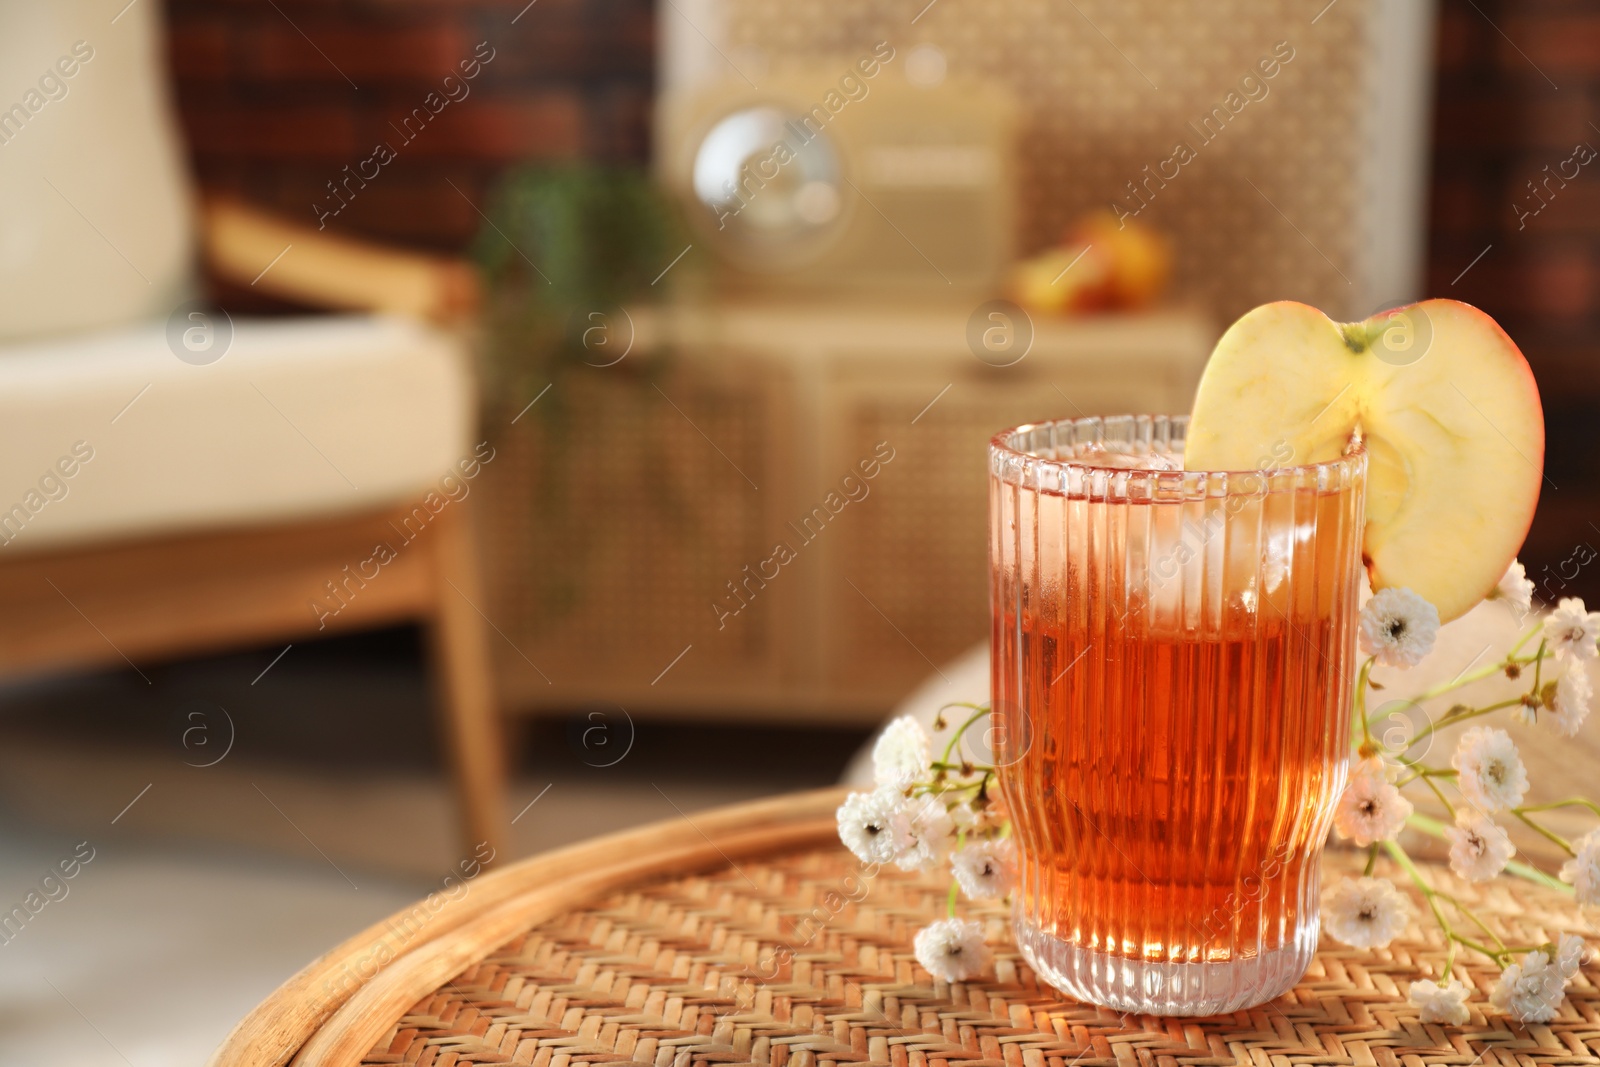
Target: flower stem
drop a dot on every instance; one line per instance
(1422, 770)
(1483, 672)
(1398, 854)
(956, 737)
(1448, 807)
(1524, 639)
(1451, 720)
(1361, 700)
(1435, 828)
(1466, 679)
(1569, 802)
(950, 901)
(1433, 896)
(1562, 842)
(940, 765)
(1469, 913)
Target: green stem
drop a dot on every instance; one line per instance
(1448, 807)
(940, 765)
(1482, 672)
(1435, 828)
(942, 789)
(1361, 700)
(1422, 770)
(1433, 896)
(1469, 913)
(1548, 835)
(1501, 958)
(951, 747)
(1524, 639)
(950, 901)
(1534, 874)
(1569, 802)
(1466, 679)
(1538, 668)
(1451, 720)
(1398, 854)
(1372, 860)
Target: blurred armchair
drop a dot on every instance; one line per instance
(173, 482)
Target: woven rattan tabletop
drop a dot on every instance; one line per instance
(750, 936)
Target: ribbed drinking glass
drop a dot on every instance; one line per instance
(1171, 686)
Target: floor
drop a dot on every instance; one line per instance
(221, 833)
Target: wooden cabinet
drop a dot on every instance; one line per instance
(786, 517)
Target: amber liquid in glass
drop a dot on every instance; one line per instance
(1173, 796)
(1170, 682)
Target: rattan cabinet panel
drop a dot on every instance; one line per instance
(795, 504)
(615, 522)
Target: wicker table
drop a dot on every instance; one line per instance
(748, 935)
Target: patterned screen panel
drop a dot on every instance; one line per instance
(1238, 127)
(619, 520)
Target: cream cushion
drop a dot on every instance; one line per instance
(962, 680)
(299, 418)
(96, 222)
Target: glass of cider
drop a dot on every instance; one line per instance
(1172, 662)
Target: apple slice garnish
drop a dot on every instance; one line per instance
(1445, 404)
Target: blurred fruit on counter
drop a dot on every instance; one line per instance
(1101, 264)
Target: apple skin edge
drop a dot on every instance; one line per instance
(1447, 496)
(1520, 365)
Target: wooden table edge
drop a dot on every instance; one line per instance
(319, 1023)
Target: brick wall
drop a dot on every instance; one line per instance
(278, 98)
(1516, 93)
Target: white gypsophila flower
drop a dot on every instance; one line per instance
(1370, 808)
(901, 755)
(1364, 912)
(980, 815)
(1514, 589)
(869, 825)
(1570, 951)
(1582, 872)
(1531, 989)
(1398, 627)
(983, 869)
(1524, 990)
(924, 833)
(952, 950)
(1479, 848)
(1441, 1003)
(1490, 775)
(1571, 630)
(1569, 700)
(972, 820)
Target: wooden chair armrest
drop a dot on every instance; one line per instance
(254, 248)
